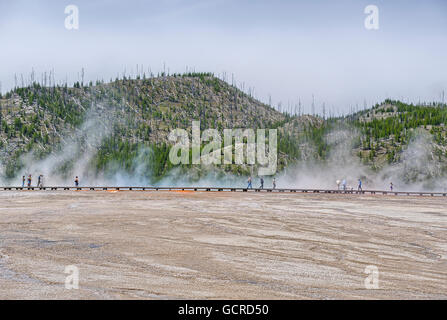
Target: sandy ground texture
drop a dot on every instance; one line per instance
(219, 245)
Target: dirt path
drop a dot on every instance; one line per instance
(164, 245)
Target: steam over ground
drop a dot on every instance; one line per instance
(417, 170)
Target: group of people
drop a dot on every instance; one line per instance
(359, 187)
(343, 183)
(261, 179)
(29, 180)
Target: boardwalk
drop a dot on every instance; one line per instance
(229, 189)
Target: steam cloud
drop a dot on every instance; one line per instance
(417, 170)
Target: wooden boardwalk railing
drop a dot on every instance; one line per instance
(226, 189)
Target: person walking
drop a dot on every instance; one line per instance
(77, 181)
(344, 184)
(38, 180)
(360, 186)
(23, 181)
(262, 183)
(249, 186)
(274, 183)
(29, 181)
(391, 186)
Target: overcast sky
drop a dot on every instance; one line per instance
(289, 49)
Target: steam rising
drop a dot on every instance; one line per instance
(417, 170)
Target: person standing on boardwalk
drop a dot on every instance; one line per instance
(38, 180)
(262, 183)
(274, 183)
(29, 181)
(77, 181)
(391, 186)
(249, 183)
(23, 181)
(344, 184)
(360, 186)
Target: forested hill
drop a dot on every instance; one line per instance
(123, 125)
(117, 119)
(387, 129)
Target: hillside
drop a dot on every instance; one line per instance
(101, 129)
(114, 124)
(388, 128)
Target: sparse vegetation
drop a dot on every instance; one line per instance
(144, 110)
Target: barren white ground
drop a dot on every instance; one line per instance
(211, 245)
